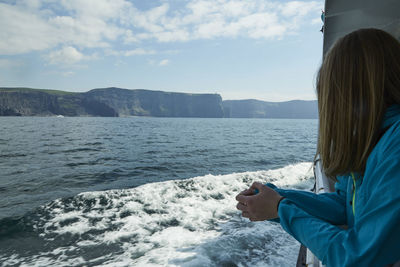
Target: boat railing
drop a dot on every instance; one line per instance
(322, 185)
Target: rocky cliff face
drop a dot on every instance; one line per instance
(112, 102)
(158, 104)
(108, 102)
(30, 102)
(24, 103)
(251, 108)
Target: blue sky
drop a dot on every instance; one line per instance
(267, 50)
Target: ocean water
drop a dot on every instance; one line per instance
(145, 191)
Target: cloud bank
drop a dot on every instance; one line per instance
(67, 29)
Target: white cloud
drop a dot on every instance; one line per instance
(128, 53)
(33, 25)
(207, 19)
(30, 4)
(22, 31)
(298, 8)
(90, 24)
(106, 9)
(163, 62)
(138, 51)
(67, 55)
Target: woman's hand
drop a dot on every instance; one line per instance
(261, 206)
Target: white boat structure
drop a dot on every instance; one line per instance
(342, 17)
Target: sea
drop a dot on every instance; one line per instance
(140, 191)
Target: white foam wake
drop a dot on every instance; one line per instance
(190, 222)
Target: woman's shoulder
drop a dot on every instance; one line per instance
(389, 144)
(390, 139)
(383, 165)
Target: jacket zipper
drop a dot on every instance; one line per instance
(354, 194)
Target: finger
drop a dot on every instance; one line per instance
(241, 207)
(246, 192)
(242, 199)
(259, 186)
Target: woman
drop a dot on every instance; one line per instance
(358, 89)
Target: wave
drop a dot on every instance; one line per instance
(190, 222)
(13, 155)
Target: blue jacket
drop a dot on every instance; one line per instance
(373, 234)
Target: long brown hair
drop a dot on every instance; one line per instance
(358, 79)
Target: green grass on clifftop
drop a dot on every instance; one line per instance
(25, 90)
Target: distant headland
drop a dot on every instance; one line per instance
(119, 102)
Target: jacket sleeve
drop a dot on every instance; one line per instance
(372, 241)
(330, 207)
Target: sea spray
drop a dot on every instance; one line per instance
(190, 222)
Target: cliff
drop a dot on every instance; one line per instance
(296, 109)
(36, 102)
(108, 102)
(158, 104)
(114, 102)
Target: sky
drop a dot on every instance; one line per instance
(255, 49)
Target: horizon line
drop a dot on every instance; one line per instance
(154, 90)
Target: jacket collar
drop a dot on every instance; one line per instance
(391, 116)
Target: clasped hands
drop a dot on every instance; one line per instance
(258, 206)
